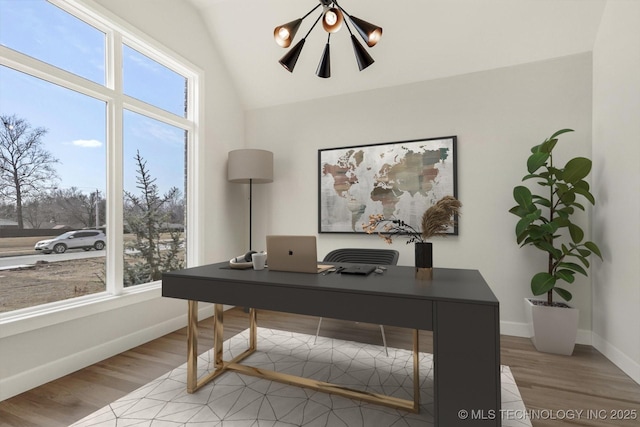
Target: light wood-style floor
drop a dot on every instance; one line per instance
(554, 385)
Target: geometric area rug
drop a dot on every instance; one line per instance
(235, 400)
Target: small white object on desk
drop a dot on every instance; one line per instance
(259, 260)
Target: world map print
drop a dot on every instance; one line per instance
(399, 180)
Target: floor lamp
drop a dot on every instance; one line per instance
(250, 166)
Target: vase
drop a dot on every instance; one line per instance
(554, 328)
(424, 260)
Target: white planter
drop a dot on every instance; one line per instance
(554, 328)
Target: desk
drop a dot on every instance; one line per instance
(457, 305)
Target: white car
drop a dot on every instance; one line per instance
(85, 239)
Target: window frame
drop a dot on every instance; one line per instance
(117, 32)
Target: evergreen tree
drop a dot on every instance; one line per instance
(147, 216)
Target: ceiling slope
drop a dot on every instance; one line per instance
(422, 40)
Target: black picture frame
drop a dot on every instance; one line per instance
(399, 179)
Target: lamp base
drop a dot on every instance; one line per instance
(424, 273)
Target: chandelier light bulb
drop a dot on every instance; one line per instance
(331, 17)
(283, 34)
(332, 20)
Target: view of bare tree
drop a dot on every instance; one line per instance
(26, 168)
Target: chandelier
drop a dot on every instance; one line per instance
(332, 17)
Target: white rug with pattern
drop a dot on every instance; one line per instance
(235, 400)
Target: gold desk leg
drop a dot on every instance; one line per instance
(218, 337)
(222, 366)
(375, 398)
(416, 372)
(252, 329)
(192, 346)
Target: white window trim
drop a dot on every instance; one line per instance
(117, 32)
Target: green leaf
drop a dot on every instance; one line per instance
(576, 233)
(548, 145)
(560, 132)
(573, 266)
(522, 225)
(522, 196)
(519, 211)
(566, 275)
(568, 197)
(576, 169)
(561, 188)
(542, 283)
(584, 185)
(585, 193)
(543, 202)
(548, 247)
(530, 176)
(585, 261)
(537, 233)
(536, 161)
(578, 205)
(566, 211)
(564, 294)
(593, 248)
(550, 227)
(584, 252)
(582, 259)
(536, 148)
(562, 220)
(552, 171)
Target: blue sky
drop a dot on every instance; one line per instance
(76, 123)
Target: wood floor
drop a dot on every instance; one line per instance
(556, 387)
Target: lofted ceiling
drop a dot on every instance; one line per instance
(422, 40)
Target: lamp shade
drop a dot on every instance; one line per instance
(284, 34)
(289, 60)
(250, 164)
(370, 33)
(332, 20)
(324, 67)
(362, 56)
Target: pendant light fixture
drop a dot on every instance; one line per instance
(333, 17)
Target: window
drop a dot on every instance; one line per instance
(45, 32)
(153, 83)
(154, 163)
(59, 97)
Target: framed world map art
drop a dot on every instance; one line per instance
(400, 180)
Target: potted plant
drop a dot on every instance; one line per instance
(546, 224)
(436, 221)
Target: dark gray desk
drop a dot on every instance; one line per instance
(457, 305)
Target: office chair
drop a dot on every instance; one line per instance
(362, 256)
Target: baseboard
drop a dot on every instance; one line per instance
(617, 357)
(515, 329)
(24, 381)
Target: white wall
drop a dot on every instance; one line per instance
(36, 350)
(616, 150)
(497, 115)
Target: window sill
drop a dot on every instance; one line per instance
(33, 318)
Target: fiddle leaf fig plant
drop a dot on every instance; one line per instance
(546, 218)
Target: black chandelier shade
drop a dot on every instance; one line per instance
(289, 60)
(324, 67)
(371, 34)
(362, 56)
(333, 17)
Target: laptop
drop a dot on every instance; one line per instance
(294, 253)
